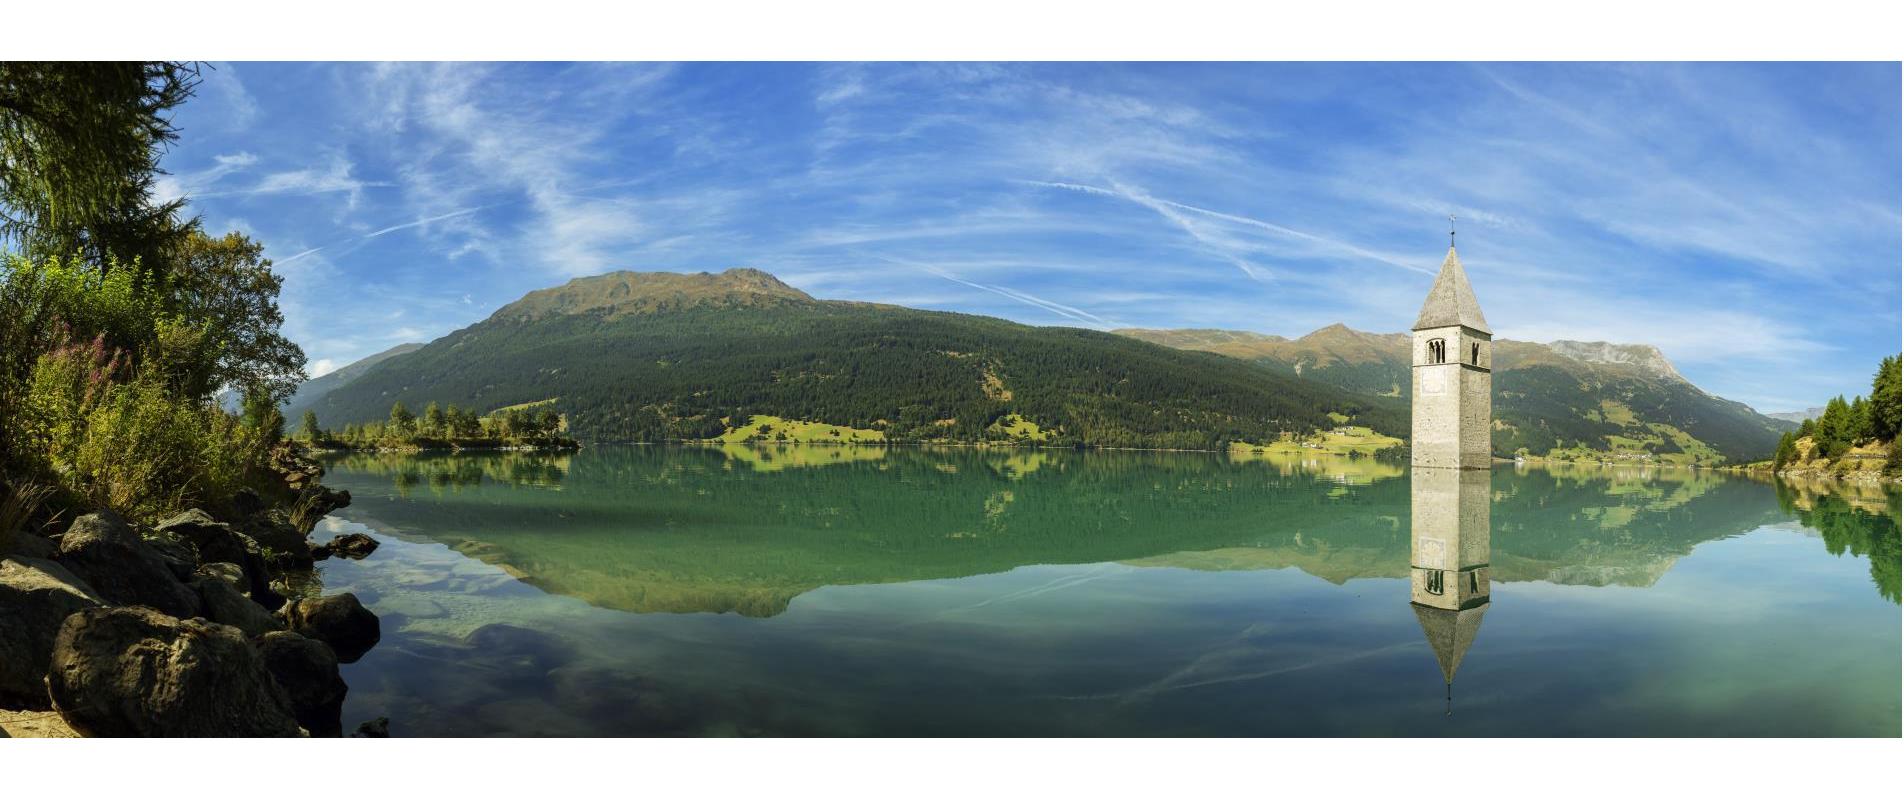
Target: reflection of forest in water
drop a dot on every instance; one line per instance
(408, 471)
(747, 528)
(1862, 522)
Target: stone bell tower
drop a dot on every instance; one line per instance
(1453, 379)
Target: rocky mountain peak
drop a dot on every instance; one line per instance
(1644, 356)
(620, 293)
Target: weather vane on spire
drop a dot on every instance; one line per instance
(1451, 230)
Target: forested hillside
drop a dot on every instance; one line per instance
(314, 389)
(1565, 399)
(658, 356)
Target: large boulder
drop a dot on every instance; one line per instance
(214, 540)
(26, 544)
(137, 672)
(283, 544)
(338, 620)
(36, 596)
(122, 568)
(223, 604)
(307, 670)
(224, 571)
(179, 555)
(219, 542)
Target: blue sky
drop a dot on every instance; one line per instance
(1744, 218)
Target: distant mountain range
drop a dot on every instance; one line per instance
(1560, 398)
(311, 392)
(1798, 416)
(632, 356)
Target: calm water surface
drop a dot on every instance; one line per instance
(862, 591)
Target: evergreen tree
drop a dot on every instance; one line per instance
(1787, 450)
(433, 420)
(311, 431)
(79, 157)
(1834, 428)
(1885, 410)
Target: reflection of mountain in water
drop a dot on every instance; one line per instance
(706, 529)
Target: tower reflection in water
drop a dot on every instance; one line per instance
(1449, 559)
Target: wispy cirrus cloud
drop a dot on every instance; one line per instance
(1742, 217)
(1066, 312)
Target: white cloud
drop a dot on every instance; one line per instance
(1067, 312)
(192, 183)
(334, 176)
(220, 82)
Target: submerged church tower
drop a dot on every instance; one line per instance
(1453, 380)
(1449, 485)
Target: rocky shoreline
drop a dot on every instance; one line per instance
(190, 627)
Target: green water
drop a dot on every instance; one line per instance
(863, 591)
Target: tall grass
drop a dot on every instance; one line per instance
(306, 511)
(18, 502)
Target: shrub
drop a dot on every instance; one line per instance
(146, 452)
(124, 440)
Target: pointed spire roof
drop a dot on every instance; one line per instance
(1451, 300)
(1450, 633)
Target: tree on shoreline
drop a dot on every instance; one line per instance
(1844, 425)
(119, 318)
(81, 143)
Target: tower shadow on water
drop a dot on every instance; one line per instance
(1451, 457)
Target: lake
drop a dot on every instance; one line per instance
(842, 591)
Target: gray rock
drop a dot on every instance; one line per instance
(338, 620)
(246, 502)
(283, 544)
(137, 672)
(36, 596)
(307, 670)
(223, 604)
(214, 540)
(378, 728)
(122, 568)
(351, 545)
(219, 542)
(224, 571)
(180, 555)
(26, 544)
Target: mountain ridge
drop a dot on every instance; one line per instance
(1590, 400)
(742, 342)
(313, 390)
(632, 356)
(625, 292)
